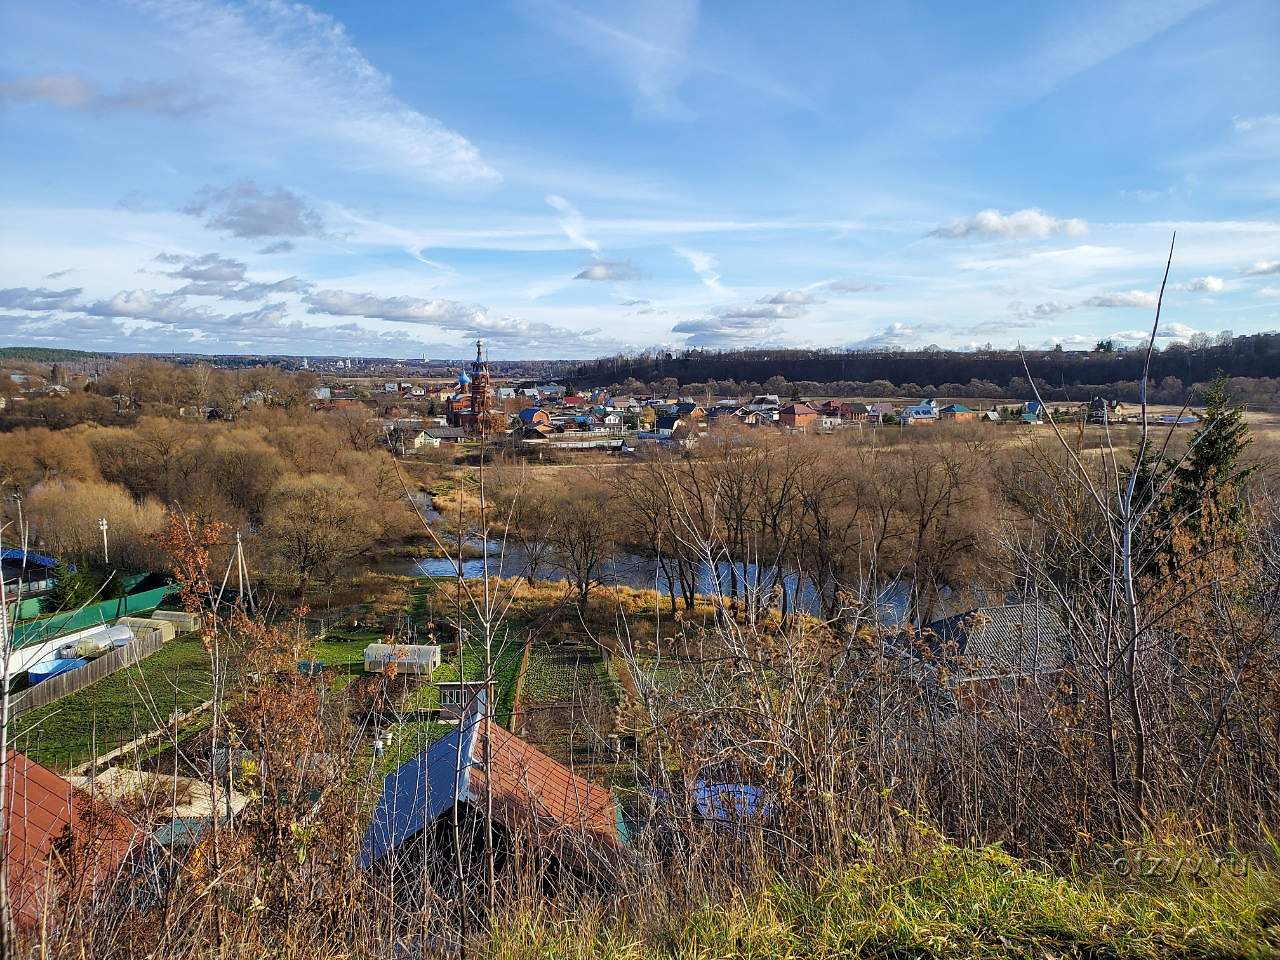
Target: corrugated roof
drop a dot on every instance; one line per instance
(42, 810)
(1012, 640)
(532, 794)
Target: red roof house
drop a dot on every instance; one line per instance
(60, 843)
(798, 416)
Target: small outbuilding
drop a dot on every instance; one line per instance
(460, 697)
(142, 626)
(544, 815)
(415, 658)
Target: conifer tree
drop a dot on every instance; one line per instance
(1213, 472)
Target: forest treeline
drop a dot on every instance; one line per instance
(1253, 363)
(311, 493)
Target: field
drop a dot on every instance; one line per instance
(118, 708)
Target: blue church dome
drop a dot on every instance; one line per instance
(463, 379)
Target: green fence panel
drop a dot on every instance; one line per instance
(28, 608)
(91, 616)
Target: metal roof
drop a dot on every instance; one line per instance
(40, 807)
(548, 801)
(1012, 640)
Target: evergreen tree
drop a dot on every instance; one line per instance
(1213, 471)
(71, 589)
(1200, 516)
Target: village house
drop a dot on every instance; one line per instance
(924, 412)
(845, 410)
(438, 435)
(798, 416)
(414, 658)
(404, 439)
(667, 426)
(756, 418)
(47, 812)
(958, 411)
(534, 417)
(1003, 648)
(460, 697)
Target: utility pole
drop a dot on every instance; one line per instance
(7, 946)
(102, 525)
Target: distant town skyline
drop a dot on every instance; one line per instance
(567, 180)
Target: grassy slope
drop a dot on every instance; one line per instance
(946, 902)
(122, 706)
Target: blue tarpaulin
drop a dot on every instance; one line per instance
(14, 555)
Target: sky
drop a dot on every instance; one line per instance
(573, 179)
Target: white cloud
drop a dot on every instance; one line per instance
(1269, 291)
(1073, 340)
(572, 223)
(612, 270)
(1126, 298)
(1031, 222)
(1261, 268)
(210, 266)
(851, 286)
(1207, 284)
(1167, 331)
(1246, 124)
(287, 68)
(246, 290)
(800, 297)
(449, 313)
(467, 319)
(725, 331)
(37, 298)
(649, 49)
(703, 264)
(896, 334)
(762, 311)
(149, 305)
(71, 92)
(1039, 312)
(244, 210)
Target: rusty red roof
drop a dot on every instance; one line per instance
(59, 841)
(541, 796)
(533, 795)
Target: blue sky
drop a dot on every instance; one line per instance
(573, 179)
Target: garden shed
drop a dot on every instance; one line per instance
(415, 658)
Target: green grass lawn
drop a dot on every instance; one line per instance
(340, 653)
(118, 708)
(506, 665)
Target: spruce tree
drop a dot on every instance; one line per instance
(70, 589)
(1212, 472)
(1199, 519)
